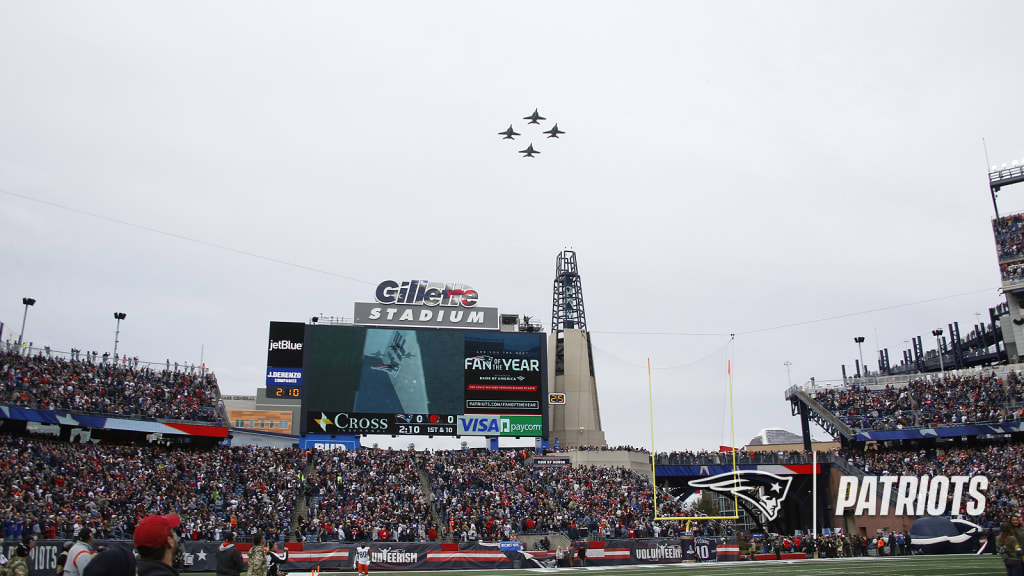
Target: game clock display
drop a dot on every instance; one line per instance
(291, 392)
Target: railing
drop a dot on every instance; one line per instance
(95, 359)
(34, 406)
(725, 458)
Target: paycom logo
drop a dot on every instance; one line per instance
(521, 426)
(499, 425)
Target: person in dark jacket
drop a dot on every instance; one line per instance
(113, 562)
(229, 558)
(1010, 550)
(276, 558)
(63, 558)
(156, 540)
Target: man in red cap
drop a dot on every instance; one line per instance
(156, 539)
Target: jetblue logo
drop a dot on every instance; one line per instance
(285, 345)
(479, 425)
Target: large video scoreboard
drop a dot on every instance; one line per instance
(418, 381)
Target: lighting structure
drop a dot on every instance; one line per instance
(27, 302)
(860, 340)
(1004, 176)
(938, 343)
(118, 316)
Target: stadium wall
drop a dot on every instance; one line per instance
(638, 462)
(263, 439)
(334, 556)
(816, 446)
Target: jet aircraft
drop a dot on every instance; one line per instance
(509, 133)
(533, 118)
(554, 132)
(529, 152)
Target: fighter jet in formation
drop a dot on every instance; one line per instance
(533, 118)
(529, 152)
(554, 132)
(509, 134)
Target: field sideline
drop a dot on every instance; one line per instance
(949, 565)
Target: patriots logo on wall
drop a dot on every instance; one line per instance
(764, 490)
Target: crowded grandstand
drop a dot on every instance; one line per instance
(93, 444)
(57, 487)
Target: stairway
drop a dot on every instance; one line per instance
(301, 504)
(819, 414)
(443, 534)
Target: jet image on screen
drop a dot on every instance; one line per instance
(392, 378)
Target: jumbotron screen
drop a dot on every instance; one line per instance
(367, 380)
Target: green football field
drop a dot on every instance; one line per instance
(951, 565)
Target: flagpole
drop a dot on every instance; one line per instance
(814, 492)
(654, 473)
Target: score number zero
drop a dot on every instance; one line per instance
(556, 398)
(428, 424)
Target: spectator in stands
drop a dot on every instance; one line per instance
(47, 383)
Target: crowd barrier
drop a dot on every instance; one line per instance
(335, 556)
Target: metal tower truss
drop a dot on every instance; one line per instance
(567, 310)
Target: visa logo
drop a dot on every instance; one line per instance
(470, 425)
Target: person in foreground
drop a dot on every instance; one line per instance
(229, 558)
(1010, 550)
(156, 540)
(112, 562)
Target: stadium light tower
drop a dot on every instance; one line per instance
(27, 302)
(938, 344)
(860, 340)
(117, 332)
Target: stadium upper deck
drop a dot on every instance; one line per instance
(46, 381)
(928, 401)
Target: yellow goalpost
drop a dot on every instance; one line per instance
(654, 468)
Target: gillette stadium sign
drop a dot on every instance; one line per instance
(414, 303)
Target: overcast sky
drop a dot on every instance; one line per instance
(727, 168)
